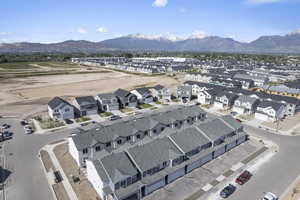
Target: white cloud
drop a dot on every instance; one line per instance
(4, 33)
(160, 3)
(82, 31)
(102, 30)
(262, 1)
(182, 10)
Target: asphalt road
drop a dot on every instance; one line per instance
(276, 174)
(27, 180)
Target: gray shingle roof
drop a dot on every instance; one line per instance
(86, 100)
(56, 101)
(231, 121)
(189, 139)
(245, 99)
(215, 129)
(118, 166)
(152, 154)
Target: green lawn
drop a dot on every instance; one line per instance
(126, 110)
(47, 123)
(157, 102)
(145, 106)
(106, 114)
(82, 119)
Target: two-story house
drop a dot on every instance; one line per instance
(184, 93)
(162, 93)
(126, 98)
(225, 100)
(60, 109)
(107, 102)
(270, 110)
(144, 95)
(85, 105)
(245, 104)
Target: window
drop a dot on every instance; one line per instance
(119, 141)
(117, 185)
(123, 183)
(146, 133)
(154, 130)
(67, 109)
(85, 151)
(128, 138)
(108, 144)
(165, 164)
(138, 136)
(98, 148)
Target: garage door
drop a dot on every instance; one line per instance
(206, 159)
(219, 152)
(241, 140)
(175, 175)
(238, 110)
(261, 116)
(132, 197)
(230, 145)
(218, 105)
(193, 165)
(154, 186)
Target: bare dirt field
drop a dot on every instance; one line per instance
(25, 96)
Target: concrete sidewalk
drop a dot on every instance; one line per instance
(68, 187)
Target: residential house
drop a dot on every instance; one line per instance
(107, 102)
(144, 95)
(245, 104)
(160, 92)
(207, 96)
(126, 98)
(225, 100)
(270, 110)
(184, 93)
(60, 109)
(85, 105)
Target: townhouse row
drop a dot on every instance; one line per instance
(60, 109)
(134, 166)
(263, 105)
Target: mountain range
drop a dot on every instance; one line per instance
(289, 43)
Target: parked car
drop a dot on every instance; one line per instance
(68, 121)
(269, 196)
(23, 122)
(27, 127)
(115, 117)
(227, 191)
(5, 126)
(58, 177)
(28, 131)
(243, 178)
(233, 113)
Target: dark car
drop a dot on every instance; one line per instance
(58, 177)
(23, 122)
(227, 191)
(243, 178)
(5, 126)
(114, 117)
(68, 121)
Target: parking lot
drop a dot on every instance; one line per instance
(192, 183)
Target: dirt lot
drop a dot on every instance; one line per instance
(83, 188)
(19, 96)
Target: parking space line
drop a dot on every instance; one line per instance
(207, 187)
(220, 178)
(237, 166)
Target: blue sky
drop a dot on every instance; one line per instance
(96, 20)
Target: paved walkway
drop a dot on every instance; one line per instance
(68, 187)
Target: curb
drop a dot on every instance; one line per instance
(45, 173)
(288, 189)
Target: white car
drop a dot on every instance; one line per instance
(269, 196)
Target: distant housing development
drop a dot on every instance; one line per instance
(129, 159)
